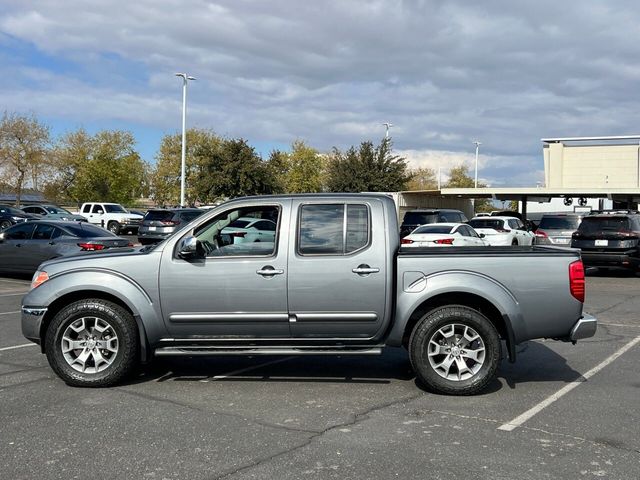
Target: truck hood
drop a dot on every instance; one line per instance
(101, 259)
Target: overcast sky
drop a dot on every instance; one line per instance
(331, 72)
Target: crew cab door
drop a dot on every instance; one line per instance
(338, 269)
(236, 289)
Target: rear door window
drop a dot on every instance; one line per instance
(333, 229)
(43, 231)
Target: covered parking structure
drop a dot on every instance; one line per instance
(627, 198)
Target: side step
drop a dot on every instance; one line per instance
(195, 351)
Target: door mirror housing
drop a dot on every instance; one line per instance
(189, 247)
(482, 235)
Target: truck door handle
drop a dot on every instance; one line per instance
(269, 271)
(365, 269)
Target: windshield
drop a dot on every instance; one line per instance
(559, 223)
(486, 223)
(420, 218)
(115, 208)
(433, 229)
(55, 210)
(600, 224)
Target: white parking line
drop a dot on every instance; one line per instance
(618, 325)
(14, 294)
(9, 313)
(519, 420)
(17, 346)
(14, 281)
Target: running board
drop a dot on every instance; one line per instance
(193, 351)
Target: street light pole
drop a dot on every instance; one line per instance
(387, 125)
(477, 144)
(185, 78)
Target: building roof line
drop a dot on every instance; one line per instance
(590, 139)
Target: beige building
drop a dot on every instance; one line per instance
(592, 162)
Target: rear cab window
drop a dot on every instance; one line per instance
(333, 229)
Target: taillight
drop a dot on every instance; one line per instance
(444, 241)
(90, 247)
(541, 233)
(576, 280)
(405, 241)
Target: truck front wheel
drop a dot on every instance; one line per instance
(454, 350)
(114, 227)
(92, 343)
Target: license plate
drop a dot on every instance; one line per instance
(562, 240)
(602, 243)
(152, 229)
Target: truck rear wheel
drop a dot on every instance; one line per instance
(92, 343)
(454, 350)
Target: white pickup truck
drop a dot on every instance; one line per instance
(112, 216)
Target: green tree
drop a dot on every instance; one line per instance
(367, 169)
(231, 169)
(102, 167)
(300, 171)
(165, 177)
(24, 143)
(459, 178)
(422, 179)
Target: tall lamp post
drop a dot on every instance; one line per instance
(387, 126)
(185, 79)
(477, 144)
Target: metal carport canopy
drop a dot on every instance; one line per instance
(541, 194)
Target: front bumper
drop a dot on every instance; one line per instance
(584, 328)
(31, 322)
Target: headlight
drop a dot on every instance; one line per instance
(64, 218)
(18, 219)
(39, 278)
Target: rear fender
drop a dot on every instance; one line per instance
(419, 293)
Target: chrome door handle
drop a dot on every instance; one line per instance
(269, 271)
(365, 270)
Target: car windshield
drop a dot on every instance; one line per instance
(83, 230)
(115, 208)
(433, 229)
(420, 218)
(559, 223)
(56, 210)
(599, 224)
(486, 223)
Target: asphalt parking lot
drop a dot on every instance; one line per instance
(562, 411)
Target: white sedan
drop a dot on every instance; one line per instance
(502, 230)
(442, 235)
(251, 229)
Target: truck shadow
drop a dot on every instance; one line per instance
(535, 363)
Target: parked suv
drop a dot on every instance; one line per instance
(414, 218)
(159, 223)
(609, 240)
(11, 215)
(557, 228)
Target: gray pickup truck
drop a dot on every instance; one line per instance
(330, 280)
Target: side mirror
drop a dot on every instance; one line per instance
(482, 235)
(189, 247)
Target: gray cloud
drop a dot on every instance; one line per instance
(444, 72)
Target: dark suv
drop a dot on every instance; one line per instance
(609, 240)
(414, 218)
(11, 215)
(159, 223)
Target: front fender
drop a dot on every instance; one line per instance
(75, 283)
(417, 289)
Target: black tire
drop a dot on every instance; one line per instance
(514, 242)
(121, 323)
(457, 317)
(113, 227)
(5, 224)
